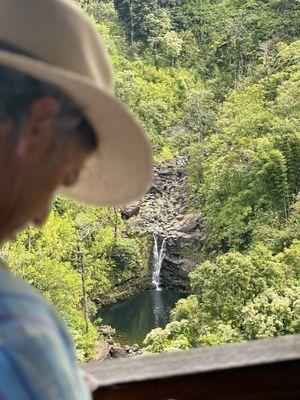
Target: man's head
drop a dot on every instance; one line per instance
(44, 142)
(41, 146)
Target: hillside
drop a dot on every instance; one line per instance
(216, 85)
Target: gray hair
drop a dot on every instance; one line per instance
(19, 90)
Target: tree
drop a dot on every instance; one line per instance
(76, 262)
(235, 297)
(272, 314)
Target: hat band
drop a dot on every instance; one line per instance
(13, 49)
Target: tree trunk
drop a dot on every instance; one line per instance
(84, 293)
(115, 224)
(131, 22)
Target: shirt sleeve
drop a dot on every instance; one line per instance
(37, 368)
(37, 358)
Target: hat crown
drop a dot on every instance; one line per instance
(59, 33)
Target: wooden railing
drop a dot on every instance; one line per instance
(267, 369)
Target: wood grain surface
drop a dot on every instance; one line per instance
(267, 369)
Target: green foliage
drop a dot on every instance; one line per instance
(272, 314)
(244, 178)
(198, 120)
(218, 80)
(156, 96)
(104, 16)
(221, 36)
(124, 254)
(225, 285)
(173, 337)
(78, 242)
(248, 170)
(235, 297)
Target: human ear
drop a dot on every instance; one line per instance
(36, 136)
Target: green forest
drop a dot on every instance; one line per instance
(220, 82)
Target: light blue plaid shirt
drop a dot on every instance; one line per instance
(37, 359)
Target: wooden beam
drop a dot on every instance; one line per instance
(260, 370)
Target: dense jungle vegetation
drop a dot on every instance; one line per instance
(220, 81)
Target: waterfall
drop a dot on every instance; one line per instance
(158, 257)
(158, 306)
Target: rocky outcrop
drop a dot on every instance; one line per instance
(165, 209)
(107, 348)
(183, 245)
(165, 204)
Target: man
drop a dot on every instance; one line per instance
(61, 130)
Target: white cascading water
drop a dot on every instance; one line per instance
(158, 257)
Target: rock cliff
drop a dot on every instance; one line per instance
(165, 208)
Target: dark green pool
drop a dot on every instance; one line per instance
(135, 317)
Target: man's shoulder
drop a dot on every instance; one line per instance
(11, 285)
(16, 295)
(36, 354)
(24, 310)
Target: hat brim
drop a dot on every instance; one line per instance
(120, 170)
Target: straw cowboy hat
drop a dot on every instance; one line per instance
(66, 51)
